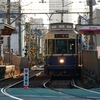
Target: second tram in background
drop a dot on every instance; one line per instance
(61, 44)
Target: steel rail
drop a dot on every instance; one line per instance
(76, 86)
(3, 90)
(5, 79)
(60, 92)
(44, 84)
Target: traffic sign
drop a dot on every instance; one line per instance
(26, 77)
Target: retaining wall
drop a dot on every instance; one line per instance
(91, 61)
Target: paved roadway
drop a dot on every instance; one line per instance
(47, 94)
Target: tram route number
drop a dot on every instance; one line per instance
(26, 76)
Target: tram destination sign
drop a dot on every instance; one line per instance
(61, 35)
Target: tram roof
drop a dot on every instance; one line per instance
(61, 26)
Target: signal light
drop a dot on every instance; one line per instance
(1, 40)
(26, 49)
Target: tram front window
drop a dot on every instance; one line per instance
(61, 46)
(71, 46)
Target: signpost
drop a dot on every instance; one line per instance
(88, 29)
(26, 78)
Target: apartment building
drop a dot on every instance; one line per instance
(96, 20)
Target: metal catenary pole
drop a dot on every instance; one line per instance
(20, 49)
(8, 21)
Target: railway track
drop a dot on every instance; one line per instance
(71, 84)
(8, 81)
(16, 83)
(87, 90)
(59, 84)
(35, 81)
(40, 80)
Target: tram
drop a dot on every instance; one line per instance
(61, 50)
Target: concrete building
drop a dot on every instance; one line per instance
(14, 38)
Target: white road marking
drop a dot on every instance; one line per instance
(3, 90)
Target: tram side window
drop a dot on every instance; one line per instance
(61, 46)
(51, 47)
(46, 46)
(71, 46)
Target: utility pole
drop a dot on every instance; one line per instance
(91, 21)
(8, 21)
(20, 30)
(91, 13)
(8, 12)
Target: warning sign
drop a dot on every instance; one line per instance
(26, 77)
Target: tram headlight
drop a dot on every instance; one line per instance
(61, 60)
